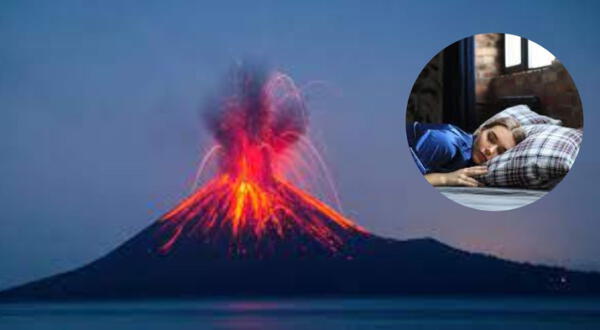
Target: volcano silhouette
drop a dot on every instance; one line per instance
(251, 231)
(365, 265)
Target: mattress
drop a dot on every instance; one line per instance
(490, 198)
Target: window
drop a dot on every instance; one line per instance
(522, 54)
(512, 50)
(538, 56)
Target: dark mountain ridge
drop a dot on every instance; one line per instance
(370, 265)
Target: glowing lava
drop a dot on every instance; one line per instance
(261, 147)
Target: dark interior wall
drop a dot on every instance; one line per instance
(426, 97)
(444, 90)
(551, 85)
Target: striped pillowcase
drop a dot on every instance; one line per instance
(538, 162)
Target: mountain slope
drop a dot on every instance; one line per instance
(371, 266)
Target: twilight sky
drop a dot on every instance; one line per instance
(100, 131)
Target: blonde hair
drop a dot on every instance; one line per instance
(510, 123)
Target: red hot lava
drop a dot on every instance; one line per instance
(259, 128)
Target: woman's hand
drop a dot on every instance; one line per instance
(462, 177)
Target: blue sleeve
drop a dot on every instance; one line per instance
(432, 150)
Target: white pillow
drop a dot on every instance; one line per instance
(524, 115)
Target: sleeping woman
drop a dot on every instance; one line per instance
(447, 156)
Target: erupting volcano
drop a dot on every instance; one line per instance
(253, 228)
(252, 206)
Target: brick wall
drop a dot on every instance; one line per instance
(552, 84)
(488, 63)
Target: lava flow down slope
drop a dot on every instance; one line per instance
(254, 228)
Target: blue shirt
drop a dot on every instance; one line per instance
(439, 147)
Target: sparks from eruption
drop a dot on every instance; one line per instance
(261, 146)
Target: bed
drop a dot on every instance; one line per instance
(492, 199)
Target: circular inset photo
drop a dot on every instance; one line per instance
(494, 121)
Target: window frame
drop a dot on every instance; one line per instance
(524, 66)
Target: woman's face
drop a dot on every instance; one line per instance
(491, 142)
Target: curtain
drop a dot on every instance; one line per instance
(459, 84)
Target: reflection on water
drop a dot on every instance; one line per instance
(405, 313)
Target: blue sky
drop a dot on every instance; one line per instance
(100, 131)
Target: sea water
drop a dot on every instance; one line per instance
(314, 314)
